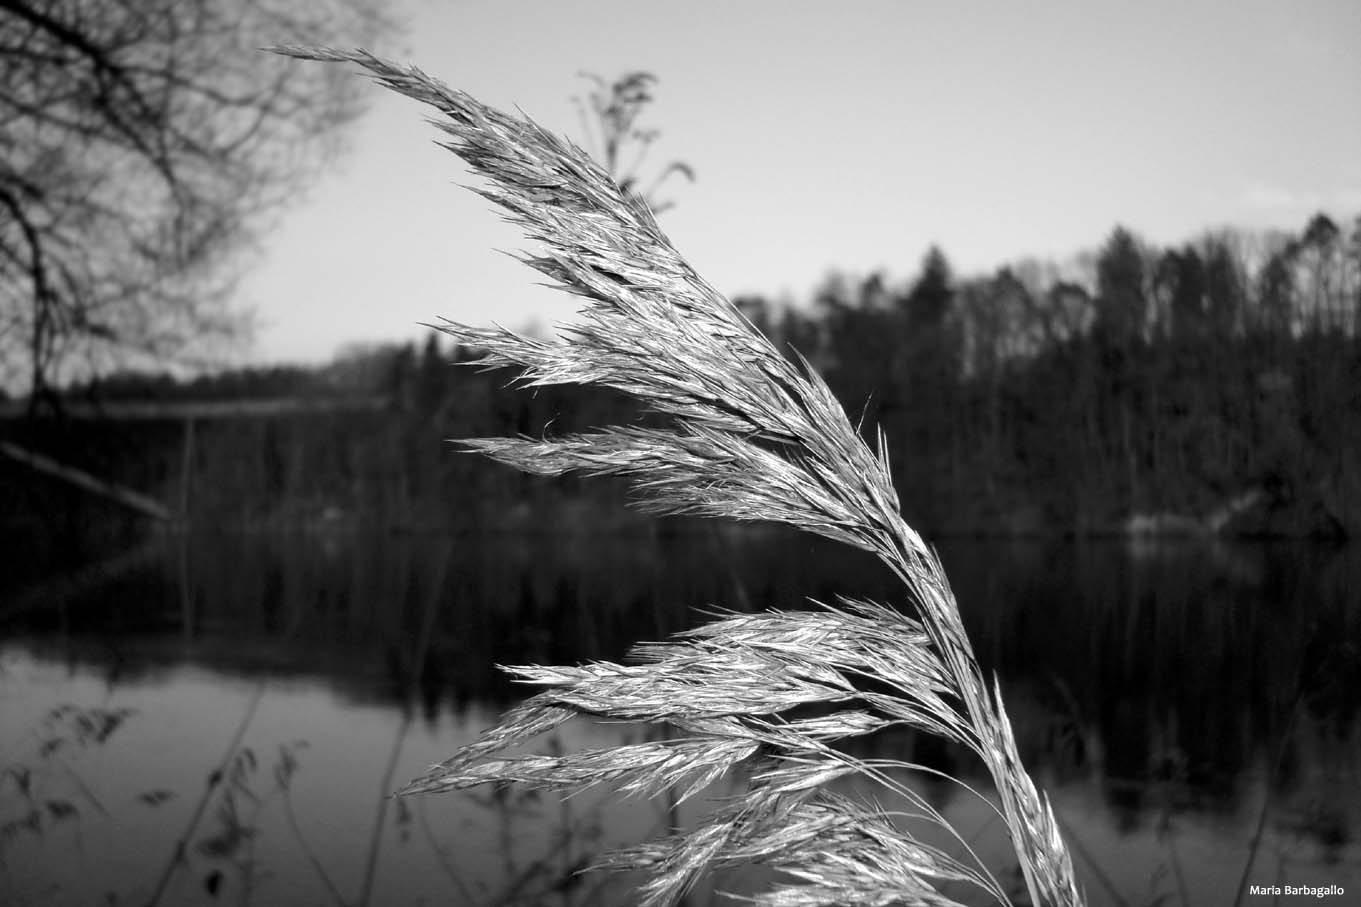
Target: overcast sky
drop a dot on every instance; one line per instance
(825, 136)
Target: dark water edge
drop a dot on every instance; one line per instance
(1189, 705)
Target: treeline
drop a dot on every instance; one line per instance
(388, 467)
(1212, 386)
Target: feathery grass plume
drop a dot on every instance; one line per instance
(751, 437)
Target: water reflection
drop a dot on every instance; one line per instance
(219, 717)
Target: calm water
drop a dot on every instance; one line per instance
(1190, 708)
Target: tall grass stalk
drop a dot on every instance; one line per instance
(751, 436)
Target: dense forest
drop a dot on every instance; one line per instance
(1213, 386)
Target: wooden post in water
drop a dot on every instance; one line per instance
(186, 468)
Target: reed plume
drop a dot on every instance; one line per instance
(750, 436)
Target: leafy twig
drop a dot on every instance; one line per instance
(215, 778)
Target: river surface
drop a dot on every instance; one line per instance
(218, 719)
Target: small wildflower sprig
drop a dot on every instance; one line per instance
(751, 436)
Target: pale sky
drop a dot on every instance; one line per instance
(847, 136)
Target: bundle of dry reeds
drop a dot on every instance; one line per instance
(751, 436)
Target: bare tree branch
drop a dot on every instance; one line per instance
(143, 145)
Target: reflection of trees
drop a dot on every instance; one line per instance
(1179, 689)
(1162, 681)
(1126, 638)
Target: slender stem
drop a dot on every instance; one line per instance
(445, 863)
(312, 858)
(1266, 802)
(385, 796)
(177, 856)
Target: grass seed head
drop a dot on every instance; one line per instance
(751, 436)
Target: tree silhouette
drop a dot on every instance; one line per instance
(1276, 292)
(929, 299)
(1320, 254)
(1121, 305)
(1224, 288)
(1180, 276)
(142, 144)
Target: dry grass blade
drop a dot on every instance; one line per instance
(752, 437)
